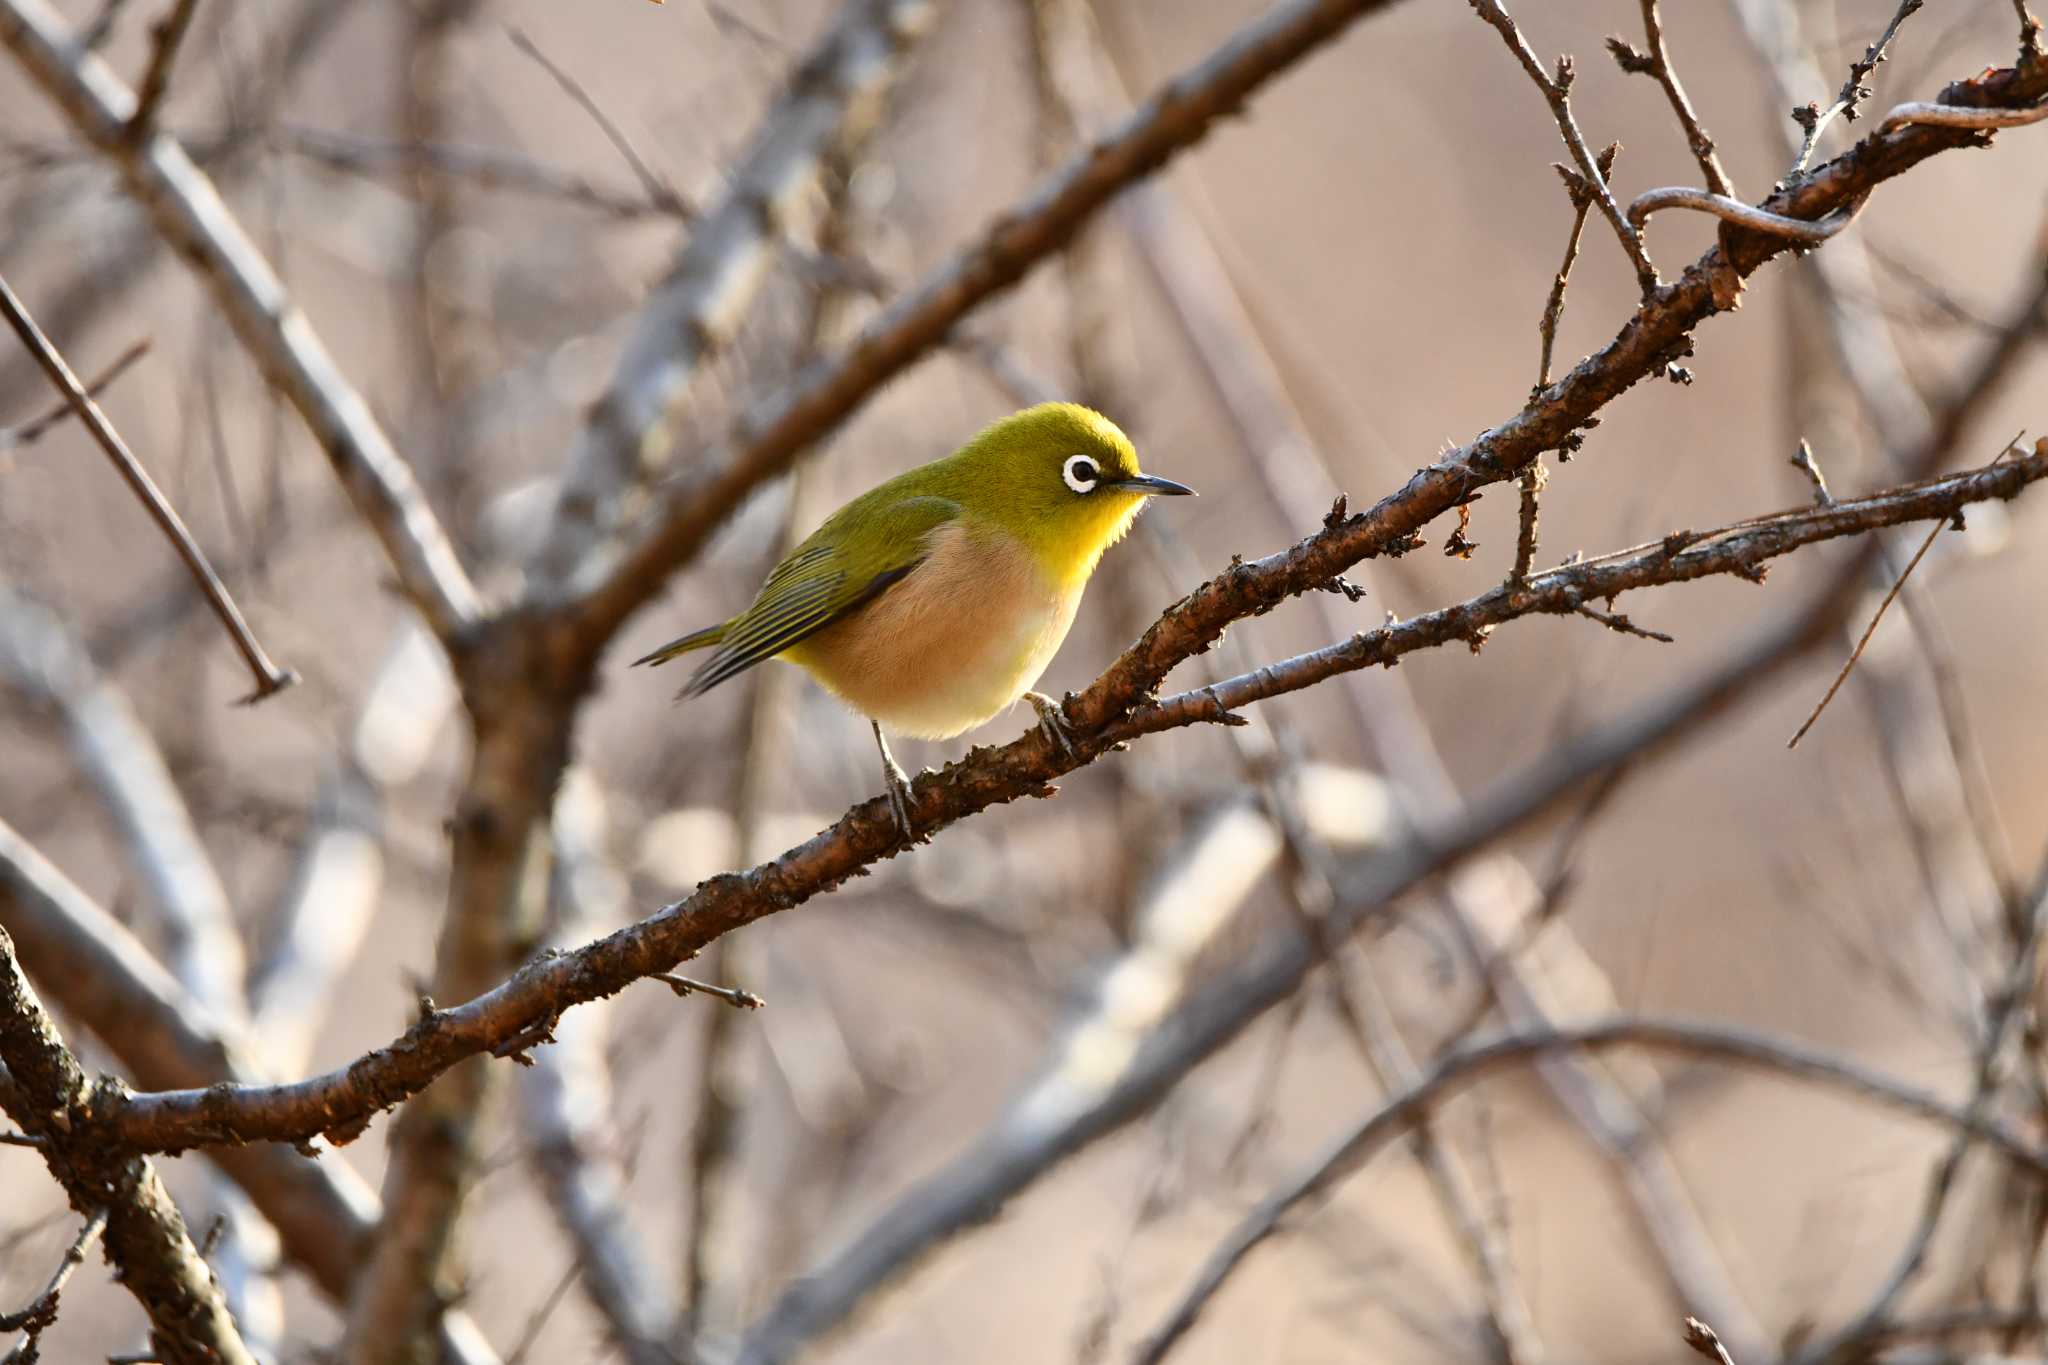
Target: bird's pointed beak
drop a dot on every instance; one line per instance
(1152, 486)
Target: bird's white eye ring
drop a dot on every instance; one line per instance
(1081, 473)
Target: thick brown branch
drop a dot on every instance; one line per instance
(100, 975)
(48, 1094)
(341, 1102)
(1741, 550)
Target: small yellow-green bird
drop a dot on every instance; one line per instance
(931, 603)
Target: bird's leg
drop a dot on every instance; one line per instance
(898, 784)
(1052, 719)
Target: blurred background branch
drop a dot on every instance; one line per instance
(610, 278)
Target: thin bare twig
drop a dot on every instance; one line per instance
(731, 995)
(269, 678)
(659, 191)
(2010, 1008)
(1803, 461)
(1621, 625)
(33, 430)
(165, 37)
(1814, 119)
(1742, 215)
(1473, 1062)
(1703, 1339)
(248, 106)
(538, 1319)
(41, 1312)
(1535, 476)
(486, 167)
(1863, 640)
(1582, 195)
(1656, 63)
(1867, 358)
(1950, 116)
(1530, 510)
(688, 318)
(1556, 91)
(101, 26)
(1842, 675)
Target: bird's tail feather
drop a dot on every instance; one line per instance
(696, 639)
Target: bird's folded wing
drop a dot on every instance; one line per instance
(823, 579)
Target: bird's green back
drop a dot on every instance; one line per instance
(1006, 480)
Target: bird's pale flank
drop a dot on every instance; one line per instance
(934, 601)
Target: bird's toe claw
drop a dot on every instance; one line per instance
(1052, 720)
(899, 802)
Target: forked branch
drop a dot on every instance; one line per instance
(269, 678)
(190, 215)
(1112, 712)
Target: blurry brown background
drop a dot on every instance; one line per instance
(1389, 214)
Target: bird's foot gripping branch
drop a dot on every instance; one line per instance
(1113, 711)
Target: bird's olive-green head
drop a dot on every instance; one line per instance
(1059, 477)
(934, 600)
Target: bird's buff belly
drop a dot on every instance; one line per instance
(955, 643)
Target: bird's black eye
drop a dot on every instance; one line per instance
(1081, 473)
